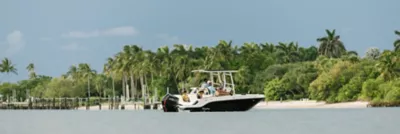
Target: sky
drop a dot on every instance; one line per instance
(55, 34)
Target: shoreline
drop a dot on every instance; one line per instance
(309, 104)
(267, 105)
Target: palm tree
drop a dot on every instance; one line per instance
(351, 53)
(73, 73)
(109, 71)
(268, 48)
(31, 70)
(330, 45)
(288, 52)
(181, 63)
(221, 56)
(1, 70)
(134, 67)
(163, 57)
(100, 82)
(308, 54)
(8, 67)
(117, 67)
(397, 42)
(388, 65)
(151, 68)
(87, 73)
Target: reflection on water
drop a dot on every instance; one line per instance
(282, 121)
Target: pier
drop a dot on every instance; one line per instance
(80, 104)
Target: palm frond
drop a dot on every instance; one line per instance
(397, 32)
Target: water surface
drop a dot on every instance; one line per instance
(279, 121)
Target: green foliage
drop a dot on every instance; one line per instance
(274, 90)
(159, 84)
(352, 90)
(285, 70)
(6, 89)
(370, 89)
(391, 90)
(297, 79)
(326, 86)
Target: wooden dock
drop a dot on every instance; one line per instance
(78, 104)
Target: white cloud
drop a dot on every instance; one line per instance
(169, 39)
(120, 31)
(70, 46)
(14, 42)
(117, 31)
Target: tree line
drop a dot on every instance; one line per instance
(283, 70)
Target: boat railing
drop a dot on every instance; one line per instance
(221, 79)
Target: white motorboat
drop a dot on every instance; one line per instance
(209, 102)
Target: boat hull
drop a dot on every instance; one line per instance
(227, 105)
(170, 103)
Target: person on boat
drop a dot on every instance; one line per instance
(220, 92)
(185, 96)
(211, 88)
(200, 94)
(204, 84)
(217, 92)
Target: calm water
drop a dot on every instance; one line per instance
(283, 121)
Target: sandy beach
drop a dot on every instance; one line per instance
(270, 105)
(309, 104)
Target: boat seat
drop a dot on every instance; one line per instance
(228, 89)
(222, 93)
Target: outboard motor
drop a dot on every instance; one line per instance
(170, 103)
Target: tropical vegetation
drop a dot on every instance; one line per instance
(285, 70)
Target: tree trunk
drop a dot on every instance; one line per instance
(135, 87)
(152, 77)
(113, 86)
(152, 81)
(145, 80)
(177, 85)
(142, 85)
(123, 85)
(132, 86)
(126, 83)
(146, 84)
(98, 90)
(104, 93)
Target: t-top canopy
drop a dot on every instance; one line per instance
(221, 77)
